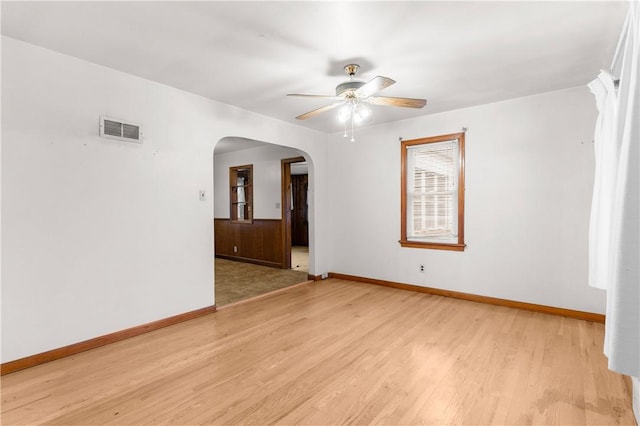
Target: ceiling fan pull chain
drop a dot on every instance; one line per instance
(353, 137)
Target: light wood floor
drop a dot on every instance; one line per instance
(335, 352)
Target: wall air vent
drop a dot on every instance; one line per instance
(120, 130)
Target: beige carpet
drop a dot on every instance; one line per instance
(238, 280)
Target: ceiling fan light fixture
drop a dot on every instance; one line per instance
(361, 113)
(352, 113)
(351, 96)
(344, 113)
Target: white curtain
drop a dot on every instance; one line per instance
(607, 149)
(614, 233)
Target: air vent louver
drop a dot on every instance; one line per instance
(130, 132)
(119, 130)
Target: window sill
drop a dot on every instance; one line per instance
(434, 246)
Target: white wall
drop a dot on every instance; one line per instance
(267, 171)
(100, 235)
(529, 176)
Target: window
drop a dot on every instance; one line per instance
(241, 193)
(432, 189)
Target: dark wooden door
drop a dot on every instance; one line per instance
(299, 218)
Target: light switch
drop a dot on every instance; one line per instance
(203, 195)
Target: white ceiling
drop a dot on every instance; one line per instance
(251, 54)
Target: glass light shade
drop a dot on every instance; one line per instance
(344, 113)
(360, 114)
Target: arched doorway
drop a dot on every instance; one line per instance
(252, 219)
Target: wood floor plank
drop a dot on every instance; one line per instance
(335, 352)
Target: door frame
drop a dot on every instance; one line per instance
(286, 212)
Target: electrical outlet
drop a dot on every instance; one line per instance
(420, 268)
(235, 249)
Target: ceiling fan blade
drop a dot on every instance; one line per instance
(399, 102)
(337, 98)
(374, 85)
(318, 111)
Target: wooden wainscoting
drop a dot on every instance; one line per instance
(259, 242)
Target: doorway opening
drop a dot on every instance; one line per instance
(253, 256)
(295, 213)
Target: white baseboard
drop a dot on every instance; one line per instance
(635, 390)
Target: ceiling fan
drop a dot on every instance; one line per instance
(352, 92)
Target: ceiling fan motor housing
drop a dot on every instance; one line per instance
(348, 88)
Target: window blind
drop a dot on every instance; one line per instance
(432, 186)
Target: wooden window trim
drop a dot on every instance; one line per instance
(404, 242)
